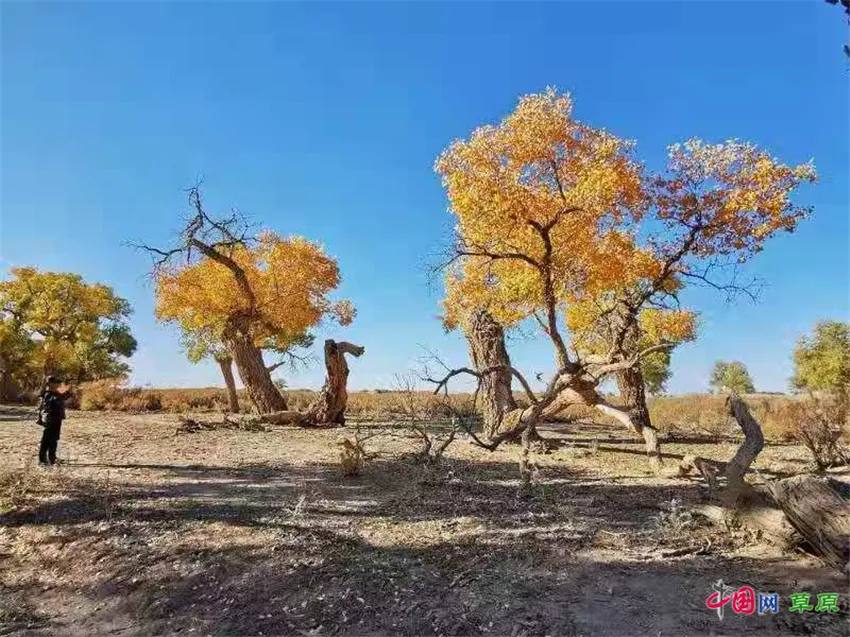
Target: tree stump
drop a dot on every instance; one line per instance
(329, 407)
(819, 509)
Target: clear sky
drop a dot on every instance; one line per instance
(324, 120)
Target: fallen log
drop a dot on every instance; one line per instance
(804, 508)
(820, 511)
(191, 425)
(769, 521)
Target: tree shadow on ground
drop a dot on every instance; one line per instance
(406, 491)
(404, 549)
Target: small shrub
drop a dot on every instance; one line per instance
(111, 394)
(100, 395)
(351, 457)
(822, 423)
(674, 519)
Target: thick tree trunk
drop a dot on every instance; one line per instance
(226, 365)
(252, 371)
(487, 349)
(819, 509)
(633, 394)
(329, 407)
(632, 390)
(8, 391)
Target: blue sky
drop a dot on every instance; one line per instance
(324, 120)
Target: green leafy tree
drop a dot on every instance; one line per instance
(655, 369)
(822, 360)
(731, 376)
(16, 359)
(56, 323)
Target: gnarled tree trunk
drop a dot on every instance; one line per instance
(487, 349)
(583, 392)
(226, 365)
(749, 449)
(633, 394)
(329, 407)
(252, 370)
(632, 389)
(815, 509)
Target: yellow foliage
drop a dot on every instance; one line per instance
(736, 192)
(675, 326)
(545, 203)
(57, 323)
(290, 279)
(540, 168)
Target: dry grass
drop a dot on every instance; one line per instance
(230, 532)
(692, 413)
(114, 395)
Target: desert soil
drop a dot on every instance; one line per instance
(147, 532)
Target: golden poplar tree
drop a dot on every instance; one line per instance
(247, 292)
(558, 223)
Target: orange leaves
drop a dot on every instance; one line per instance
(548, 212)
(735, 192)
(290, 278)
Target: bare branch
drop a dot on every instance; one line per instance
(159, 257)
(442, 383)
(476, 251)
(479, 374)
(616, 366)
(732, 288)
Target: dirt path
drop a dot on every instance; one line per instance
(146, 532)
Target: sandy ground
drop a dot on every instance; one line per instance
(146, 532)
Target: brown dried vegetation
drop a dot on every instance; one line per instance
(226, 531)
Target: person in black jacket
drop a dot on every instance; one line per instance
(51, 413)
